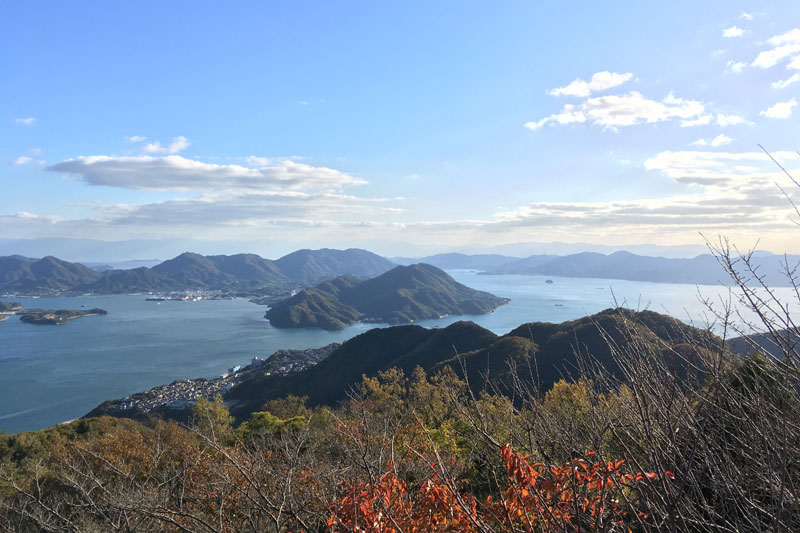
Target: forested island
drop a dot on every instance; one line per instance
(403, 295)
(56, 317)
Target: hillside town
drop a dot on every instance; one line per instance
(182, 394)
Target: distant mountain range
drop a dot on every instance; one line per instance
(252, 274)
(703, 269)
(402, 295)
(241, 272)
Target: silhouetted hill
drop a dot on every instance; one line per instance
(312, 266)
(404, 294)
(557, 343)
(21, 274)
(539, 353)
(366, 354)
(766, 343)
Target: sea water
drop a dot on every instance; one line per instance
(50, 374)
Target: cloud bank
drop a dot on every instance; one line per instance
(616, 111)
(177, 173)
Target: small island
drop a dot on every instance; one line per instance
(56, 317)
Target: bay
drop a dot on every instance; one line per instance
(50, 374)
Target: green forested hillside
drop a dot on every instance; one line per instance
(402, 295)
(539, 353)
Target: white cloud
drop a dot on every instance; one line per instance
(746, 16)
(783, 46)
(35, 151)
(729, 120)
(736, 66)
(28, 121)
(302, 102)
(178, 144)
(229, 216)
(733, 31)
(600, 81)
(794, 63)
(257, 161)
(790, 37)
(728, 193)
(731, 193)
(615, 111)
(703, 120)
(176, 173)
(728, 170)
(22, 160)
(780, 109)
(135, 139)
(719, 140)
(782, 84)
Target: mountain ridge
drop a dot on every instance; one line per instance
(188, 271)
(541, 353)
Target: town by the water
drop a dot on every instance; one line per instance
(182, 394)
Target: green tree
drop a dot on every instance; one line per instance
(212, 420)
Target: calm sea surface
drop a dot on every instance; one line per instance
(49, 374)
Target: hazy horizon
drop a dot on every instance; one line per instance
(88, 250)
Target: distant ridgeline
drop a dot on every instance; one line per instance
(252, 275)
(246, 273)
(402, 295)
(703, 269)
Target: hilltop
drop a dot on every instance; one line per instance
(402, 295)
(540, 352)
(22, 274)
(241, 273)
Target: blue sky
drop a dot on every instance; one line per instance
(405, 127)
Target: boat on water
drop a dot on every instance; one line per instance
(155, 299)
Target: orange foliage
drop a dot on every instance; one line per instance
(583, 495)
(387, 506)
